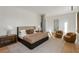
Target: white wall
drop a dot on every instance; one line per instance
(69, 18)
(14, 17)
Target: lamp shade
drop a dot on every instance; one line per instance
(9, 29)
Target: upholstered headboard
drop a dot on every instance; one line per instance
(24, 28)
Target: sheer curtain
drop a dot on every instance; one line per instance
(56, 25)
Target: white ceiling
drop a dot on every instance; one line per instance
(49, 10)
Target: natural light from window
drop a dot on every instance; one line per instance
(65, 25)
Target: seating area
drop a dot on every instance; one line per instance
(58, 34)
(69, 37)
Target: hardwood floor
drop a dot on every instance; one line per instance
(4, 50)
(70, 48)
(53, 45)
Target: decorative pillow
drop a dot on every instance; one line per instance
(30, 31)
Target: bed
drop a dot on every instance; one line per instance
(31, 40)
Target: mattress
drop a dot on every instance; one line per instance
(32, 38)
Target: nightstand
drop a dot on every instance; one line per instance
(6, 40)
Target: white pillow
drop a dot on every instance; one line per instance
(22, 33)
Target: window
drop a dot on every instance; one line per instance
(65, 27)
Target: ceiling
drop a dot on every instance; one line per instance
(49, 10)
